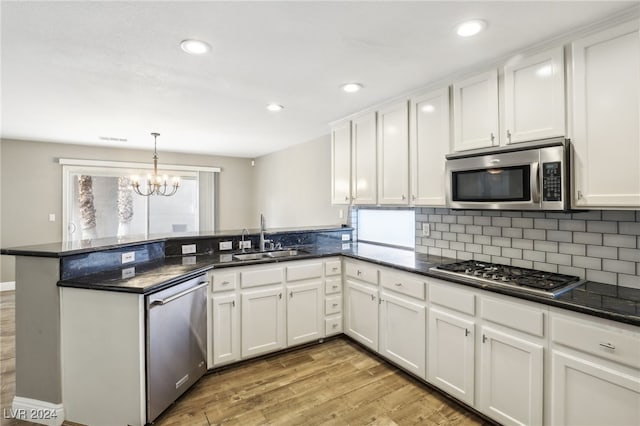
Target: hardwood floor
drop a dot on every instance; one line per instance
(334, 383)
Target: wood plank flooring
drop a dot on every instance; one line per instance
(334, 383)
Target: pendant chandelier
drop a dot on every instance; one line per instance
(156, 184)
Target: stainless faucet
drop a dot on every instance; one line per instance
(262, 229)
(245, 231)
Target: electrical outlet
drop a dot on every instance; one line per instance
(52, 217)
(346, 237)
(247, 244)
(188, 260)
(188, 248)
(426, 229)
(128, 273)
(128, 257)
(340, 214)
(226, 245)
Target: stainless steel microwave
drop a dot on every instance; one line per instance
(528, 176)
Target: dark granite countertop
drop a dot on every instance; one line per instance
(603, 300)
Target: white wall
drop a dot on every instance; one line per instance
(293, 186)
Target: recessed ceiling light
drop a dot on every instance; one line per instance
(471, 28)
(274, 107)
(194, 47)
(351, 87)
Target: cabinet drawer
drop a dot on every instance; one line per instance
(362, 272)
(605, 342)
(304, 271)
(404, 283)
(333, 285)
(333, 305)
(333, 325)
(452, 298)
(333, 267)
(262, 276)
(224, 281)
(513, 315)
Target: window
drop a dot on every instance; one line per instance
(99, 202)
(394, 227)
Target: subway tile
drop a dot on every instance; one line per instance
(435, 251)
(428, 210)
(522, 263)
(556, 215)
(490, 213)
(545, 223)
(482, 257)
(616, 240)
(535, 234)
(435, 218)
(473, 229)
(422, 250)
(512, 253)
(630, 228)
(559, 259)
(587, 262)
(602, 252)
(472, 213)
(631, 255)
(536, 256)
(456, 228)
(631, 281)
(449, 219)
(456, 212)
(449, 253)
(601, 276)
(442, 244)
(501, 260)
(570, 248)
(465, 238)
(422, 217)
(512, 232)
(511, 214)
(587, 238)
(522, 244)
(428, 242)
(444, 227)
(570, 270)
(493, 251)
(504, 222)
(619, 266)
(481, 220)
(436, 235)
(588, 215)
(501, 241)
(572, 225)
(522, 222)
(619, 215)
(538, 215)
(449, 236)
(491, 230)
(442, 211)
(560, 236)
(547, 267)
(456, 245)
(481, 239)
(638, 216)
(464, 255)
(465, 220)
(550, 246)
(603, 227)
(473, 248)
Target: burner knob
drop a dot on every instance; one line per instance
(485, 275)
(476, 273)
(504, 279)
(467, 271)
(496, 277)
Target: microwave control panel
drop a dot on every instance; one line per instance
(551, 181)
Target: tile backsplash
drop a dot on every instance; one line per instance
(602, 246)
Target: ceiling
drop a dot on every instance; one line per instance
(109, 73)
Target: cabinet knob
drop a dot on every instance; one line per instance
(334, 305)
(484, 338)
(233, 303)
(291, 295)
(493, 138)
(280, 296)
(334, 325)
(373, 297)
(346, 198)
(359, 272)
(335, 286)
(403, 197)
(508, 136)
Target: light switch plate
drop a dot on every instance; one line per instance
(426, 229)
(188, 248)
(346, 237)
(128, 257)
(226, 245)
(247, 244)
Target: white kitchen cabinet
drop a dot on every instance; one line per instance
(341, 163)
(225, 333)
(361, 313)
(364, 159)
(429, 143)
(263, 321)
(534, 97)
(393, 154)
(304, 312)
(606, 118)
(475, 112)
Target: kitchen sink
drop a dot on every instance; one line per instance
(284, 253)
(249, 256)
(269, 254)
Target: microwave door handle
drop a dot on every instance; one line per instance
(535, 182)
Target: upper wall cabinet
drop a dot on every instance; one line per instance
(534, 97)
(606, 118)
(430, 142)
(475, 112)
(393, 154)
(363, 159)
(341, 163)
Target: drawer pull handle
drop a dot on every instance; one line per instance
(607, 345)
(335, 268)
(225, 282)
(334, 325)
(373, 297)
(291, 294)
(484, 338)
(359, 272)
(334, 305)
(466, 332)
(335, 286)
(398, 284)
(233, 303)
(280, 296)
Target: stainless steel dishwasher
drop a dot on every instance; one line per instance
(176, 342)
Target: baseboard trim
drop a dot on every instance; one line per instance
(8, 286)
(36, 411)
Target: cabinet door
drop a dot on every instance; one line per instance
(606, 118)
(592, 393)
(226, 329)
(304, 312)
(263, 321)
(534, 97)
(451, 354)
(475, 112)
(393, 158)
(402, 332)
(511, 378)
(341, 164)
(430, 142)
(364, 188)
(361, 313)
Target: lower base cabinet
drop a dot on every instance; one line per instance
(263, 321)
(226, 328)
(361, 313)
(304, 313)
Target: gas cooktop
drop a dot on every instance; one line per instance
(523, 279)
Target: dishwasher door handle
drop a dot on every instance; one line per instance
(179, 295)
